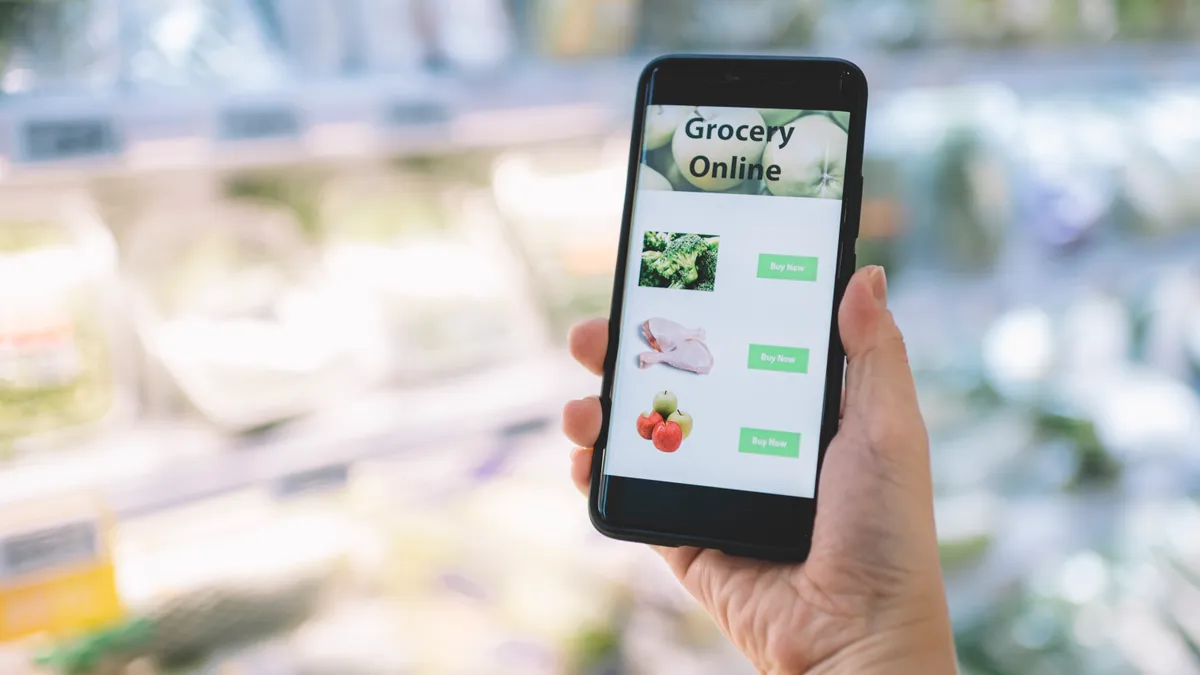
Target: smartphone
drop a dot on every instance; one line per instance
(723, 374)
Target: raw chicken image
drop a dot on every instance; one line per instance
(665, 335)
(692, 355)
(676, 346)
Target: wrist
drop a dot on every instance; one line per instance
(925, 647)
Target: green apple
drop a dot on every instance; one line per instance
(715, 149)
(778, 116)
(665, 403)
(661, 122)
(675, 178)
(684, 421)
(649, 179)
(661, 160)
(812, 163)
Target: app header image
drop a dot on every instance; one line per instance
(679, 261)
(753, 151)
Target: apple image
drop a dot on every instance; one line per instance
(777, 117)
(660, 160)
(841, 118)
(667, 436)
(661, 122)
(716, 149)
(684, 421)
(665, 403)
(646, 423)
(813, 163)
(649, 179)
(673, 176)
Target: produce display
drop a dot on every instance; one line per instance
(184, 629)
(232, 301)
(561, 207)
(57, 270)
(1041, 248)
(431, 257)
(445, 584)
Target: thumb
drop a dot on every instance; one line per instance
(881, 399)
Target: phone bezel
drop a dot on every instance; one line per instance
(676, 514)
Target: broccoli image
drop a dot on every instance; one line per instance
(649, 274)
(707, 263)
(683, 252)
(706, 285)
(686, 261)
(656, 241)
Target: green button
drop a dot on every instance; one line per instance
(766, 442)
(790, 267)
(786, 359)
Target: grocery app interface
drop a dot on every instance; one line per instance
(720, 375)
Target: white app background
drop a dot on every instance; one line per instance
(742, 310)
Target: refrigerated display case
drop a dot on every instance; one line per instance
(563, 207)
(231, 299)
(431, 255)
(366, 340)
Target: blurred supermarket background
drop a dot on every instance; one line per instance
(284, 286)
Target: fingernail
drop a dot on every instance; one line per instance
(879, 285)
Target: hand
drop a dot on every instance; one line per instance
(870, 598)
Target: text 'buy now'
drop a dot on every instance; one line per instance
(767, 442)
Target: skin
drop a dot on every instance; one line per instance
(870, 598)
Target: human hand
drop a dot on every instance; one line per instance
(870, 598)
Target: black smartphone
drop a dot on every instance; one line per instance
(723, 376)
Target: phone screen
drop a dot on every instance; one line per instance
(728, 298)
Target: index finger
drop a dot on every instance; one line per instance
(588, 341)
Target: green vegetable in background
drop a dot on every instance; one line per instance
(296, 192)
(1094, 464)
(100, 651)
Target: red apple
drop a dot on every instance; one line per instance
(646, 423)
(667, 436)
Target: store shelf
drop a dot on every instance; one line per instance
(68, 135)
(151, 469)
(65, 136)
(1110, 67)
